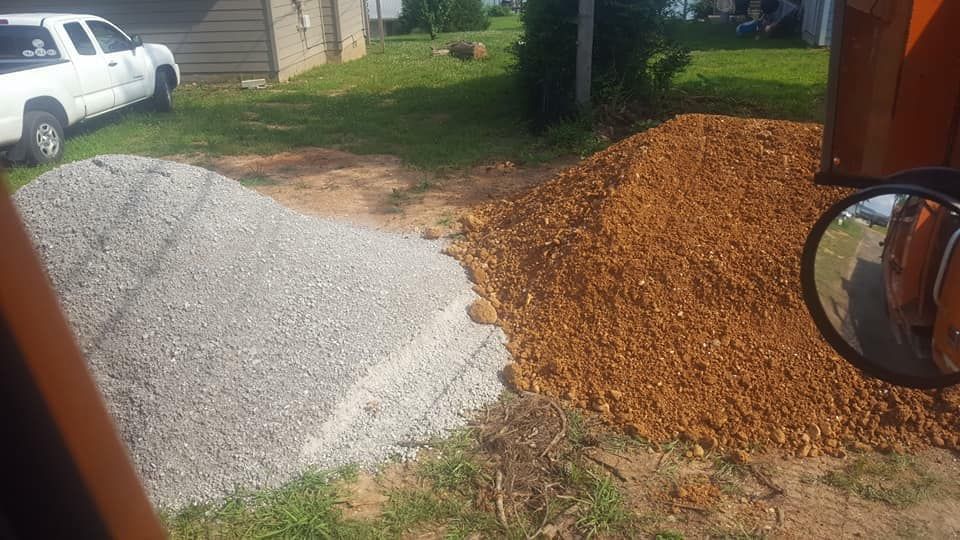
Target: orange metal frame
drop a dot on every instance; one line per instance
(894, 97)
(37, 342)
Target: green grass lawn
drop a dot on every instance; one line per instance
(437, 112)
(767, 78)
(831, 269)
(837, 250)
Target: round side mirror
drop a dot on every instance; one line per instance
(881, 278)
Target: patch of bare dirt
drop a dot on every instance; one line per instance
(529, 448)
(374, 190)
(784, 498)
(364, 498)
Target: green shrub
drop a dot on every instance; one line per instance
(435, 16)
(465, 16)
(633, 61)
(702, 8)
(499, 11)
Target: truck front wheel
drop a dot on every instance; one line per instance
(162, 93)
(42, 141)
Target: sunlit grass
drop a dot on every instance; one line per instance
(438, 112)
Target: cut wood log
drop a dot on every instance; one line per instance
(468, 50)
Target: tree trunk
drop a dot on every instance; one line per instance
(468, 50)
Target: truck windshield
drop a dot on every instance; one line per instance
(32, 43)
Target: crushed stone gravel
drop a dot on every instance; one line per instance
(237, 342)
(657, 283)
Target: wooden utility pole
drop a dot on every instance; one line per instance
(366, 23)
(584, 51)
(383, 40)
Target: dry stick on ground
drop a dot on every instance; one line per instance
(563, 428)
(691, 507)
(763, 479)
(546, 512)
(518, 434)
(501, 514)
(662, 457)
(613, 470)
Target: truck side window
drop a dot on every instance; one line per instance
(81, 41)
(111, 40)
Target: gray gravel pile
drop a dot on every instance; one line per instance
(238, 342)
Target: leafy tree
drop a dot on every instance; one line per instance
(466, 15)
(429, 15)
(702, 9)
(633, 60)
(499, 10)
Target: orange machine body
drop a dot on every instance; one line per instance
(908, 267)
(946, 330)
(893, 101)
(922, 278)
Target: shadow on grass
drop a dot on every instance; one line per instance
(437, 112)
(426, 126)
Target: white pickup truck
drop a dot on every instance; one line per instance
(60, 69)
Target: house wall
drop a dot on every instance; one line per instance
(335, 33)
(352, 42)
(211, 39)
(297, 48)
(230, 39)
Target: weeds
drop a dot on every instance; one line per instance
(729, 476)
(446, 220)
(408, 509)
(616, 442)
(606, 511)
(576, 428)
(738, 533)
(400, 197)
(453, 468)
(304, 508)
(255, 177)
(896, 480)
(669, 463)
(422, 186)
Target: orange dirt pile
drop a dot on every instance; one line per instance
(657, 283)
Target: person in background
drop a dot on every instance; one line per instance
(779, 18)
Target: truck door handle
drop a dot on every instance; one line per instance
(112, 64)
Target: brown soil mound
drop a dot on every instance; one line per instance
(657, 283)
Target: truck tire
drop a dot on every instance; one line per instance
(162, 93)
(42, 140)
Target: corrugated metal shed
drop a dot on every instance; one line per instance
(817, 22)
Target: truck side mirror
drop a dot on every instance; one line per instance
(873, 283)
(136, 41)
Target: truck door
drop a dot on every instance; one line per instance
(125, 65)
(95, 84)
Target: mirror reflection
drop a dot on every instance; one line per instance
(888, 281)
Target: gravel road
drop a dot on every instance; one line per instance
(238, 342)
